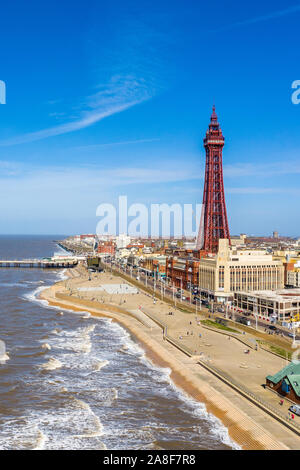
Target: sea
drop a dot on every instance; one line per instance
(71, 381)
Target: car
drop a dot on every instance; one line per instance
(295, 409)
(243, 321)
(272, 327)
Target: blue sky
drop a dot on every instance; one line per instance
(114, 98)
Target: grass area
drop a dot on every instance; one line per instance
(281, 352)
(277, 350)
(184, 310)
(219, 326)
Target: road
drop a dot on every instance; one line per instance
(168, 291)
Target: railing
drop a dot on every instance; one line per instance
(252, 397)
(228, 379)
(244, 391)
(240, 338)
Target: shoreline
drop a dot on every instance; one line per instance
(242, 430)
(179, 381)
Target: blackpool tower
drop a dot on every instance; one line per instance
(213, 223)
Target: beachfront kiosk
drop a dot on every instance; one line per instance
(286, 382)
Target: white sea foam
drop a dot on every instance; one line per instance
(41, 440)
(73, 426)
(3, 355)
(99, 365)
(33, 296)
(51, 364)
(56, 331)
(86, 316)
(4, 358)
(62, 276)
(33, 282)
(46, 346)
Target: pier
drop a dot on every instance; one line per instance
(39, 263)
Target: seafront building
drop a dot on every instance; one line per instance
(281, 305)
(182, 271)
(293, 276)
(233, 270)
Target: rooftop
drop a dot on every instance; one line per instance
(280, 295)
(292, 373)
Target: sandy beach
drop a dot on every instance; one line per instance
(108, 295)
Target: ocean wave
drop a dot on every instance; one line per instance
(33, 282)
(40, 441)
(11, 284)
(60, 431)
(195, 407)
(99, 365)
(33, 296)
(62, 276)
(4, 358)
(51, 364)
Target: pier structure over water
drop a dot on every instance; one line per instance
(39, 263)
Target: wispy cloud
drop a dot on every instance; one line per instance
(112, 144)
(262, 190)
(126, 72)
(90, 175)
(265, 170)
(120, 94)
(253, 190)
(39, 192)
(262, 18)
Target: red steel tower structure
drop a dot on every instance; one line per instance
(213, 224)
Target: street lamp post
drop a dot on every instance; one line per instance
(181, 289)
(255, 311)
